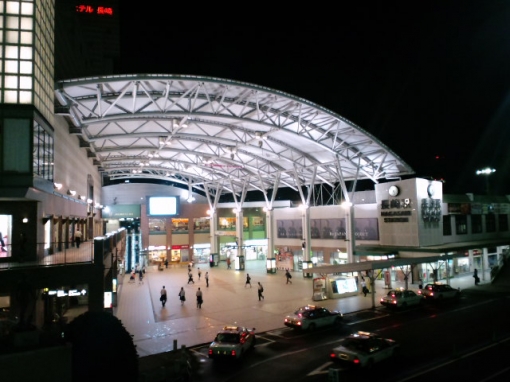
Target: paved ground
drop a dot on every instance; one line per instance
(227, 300)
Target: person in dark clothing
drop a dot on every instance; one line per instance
(190, 278)
(288, 276)
(475, 275)
(260, 290)
(248, 280)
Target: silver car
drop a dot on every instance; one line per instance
(440, 292)
(401, 298)
(364, 349)
(310, 317)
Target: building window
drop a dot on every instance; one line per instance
(490, 223)
(157, 226)
(461, 224)
(476, 224)
(447, 225)
(43, 153)
(503, 223)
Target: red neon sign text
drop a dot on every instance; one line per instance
(90, 9)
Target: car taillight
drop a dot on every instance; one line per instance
(210, 351)
(233, 353)
(332, 355)
(356, 361)
(394, 302)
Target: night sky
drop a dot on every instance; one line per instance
(430, 81)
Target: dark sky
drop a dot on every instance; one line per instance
(429, 81)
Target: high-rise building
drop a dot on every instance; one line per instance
(87, 38)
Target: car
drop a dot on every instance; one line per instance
(232, 342)
(310, 317)
(401, 298)
(439, 292)
(364, 349)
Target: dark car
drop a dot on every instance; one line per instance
(439, 292)
(232, 342)
(310, 317)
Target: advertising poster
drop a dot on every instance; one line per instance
(291, 228)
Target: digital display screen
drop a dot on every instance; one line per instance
(347, 285)
(163, 206)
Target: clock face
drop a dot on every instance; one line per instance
(431, 190)
(393, 190)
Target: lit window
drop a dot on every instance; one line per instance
(12, 22)
(27, 9)
(11, 82)
(10, 96)
(25, 67)
(26, 38)
(27, 23)
(25, 82)
(26, 53)
(13, 7)
(11, 51)
(25, 97)
(11, 66)
(12, 37)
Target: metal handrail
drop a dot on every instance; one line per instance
(54, 254)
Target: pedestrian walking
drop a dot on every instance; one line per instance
(190, 278)
(288, 276)
(162, 298)
(166, 263)
(364, 288)
(77, 237)
(182, 296)
(260, 290)
(199, 299)
(228, 263)
(207, 279)
(140, 276)
(475, 275)
(199, 274)
(248, 280)
(189, 267)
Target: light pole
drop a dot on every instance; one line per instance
(486, 171)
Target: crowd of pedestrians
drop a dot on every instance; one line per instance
(139, 271)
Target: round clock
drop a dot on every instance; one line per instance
(393, 190)
(431, 190)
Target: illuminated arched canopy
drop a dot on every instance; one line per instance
(218, 135)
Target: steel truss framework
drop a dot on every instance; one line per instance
(219, 136)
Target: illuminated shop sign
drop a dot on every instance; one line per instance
(70, 292)
(82, 8)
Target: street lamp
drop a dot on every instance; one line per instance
(486, 171)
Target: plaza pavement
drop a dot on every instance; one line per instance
(226, 301)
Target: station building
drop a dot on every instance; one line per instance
(90, 154)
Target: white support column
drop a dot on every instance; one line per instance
(239, 231)
(350, 239)
(306, 234)
(213, 229)
(471, 261)
(269, 233)
(485, 262)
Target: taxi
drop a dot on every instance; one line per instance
(364, 349)
(232, 342)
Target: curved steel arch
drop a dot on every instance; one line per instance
(219, 134)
